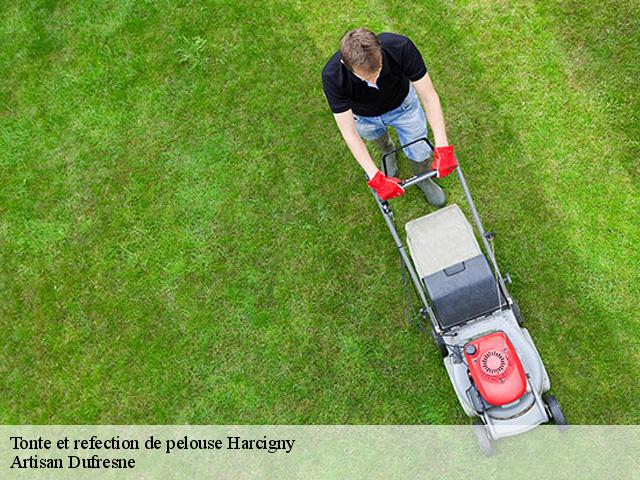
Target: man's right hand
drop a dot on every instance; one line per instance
(386, 187)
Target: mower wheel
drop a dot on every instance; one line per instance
(556, 412)
(482, 434)
(516, 313)
(441, 345)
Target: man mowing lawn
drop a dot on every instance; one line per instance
(374, 82)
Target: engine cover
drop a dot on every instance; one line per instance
(495, 368)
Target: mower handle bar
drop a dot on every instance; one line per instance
(417, 178)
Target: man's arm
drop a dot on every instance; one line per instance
(433, 109)
(347, 127)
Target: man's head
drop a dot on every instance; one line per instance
(361, 53)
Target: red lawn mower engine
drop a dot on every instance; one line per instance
(495, 369)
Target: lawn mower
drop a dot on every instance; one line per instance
(493, 364)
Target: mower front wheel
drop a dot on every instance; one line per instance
(556, 412)
(482, 434)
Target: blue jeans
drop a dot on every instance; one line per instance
(409, 121)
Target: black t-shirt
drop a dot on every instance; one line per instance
(401, 63)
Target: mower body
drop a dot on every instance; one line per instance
(492, 361)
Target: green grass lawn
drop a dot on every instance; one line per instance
(184, 237)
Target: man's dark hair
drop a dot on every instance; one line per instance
(360, 49)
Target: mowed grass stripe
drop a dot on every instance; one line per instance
(594, 201)
(546, 132)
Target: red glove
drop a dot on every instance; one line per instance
(386, 187)
(444, 161)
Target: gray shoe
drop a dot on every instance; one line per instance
(432, 191)
(385, 144)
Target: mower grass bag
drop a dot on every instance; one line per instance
(452, 267)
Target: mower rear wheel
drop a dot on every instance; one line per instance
(482, 434)
(516, 313)
(556, 412)
(442, 347)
